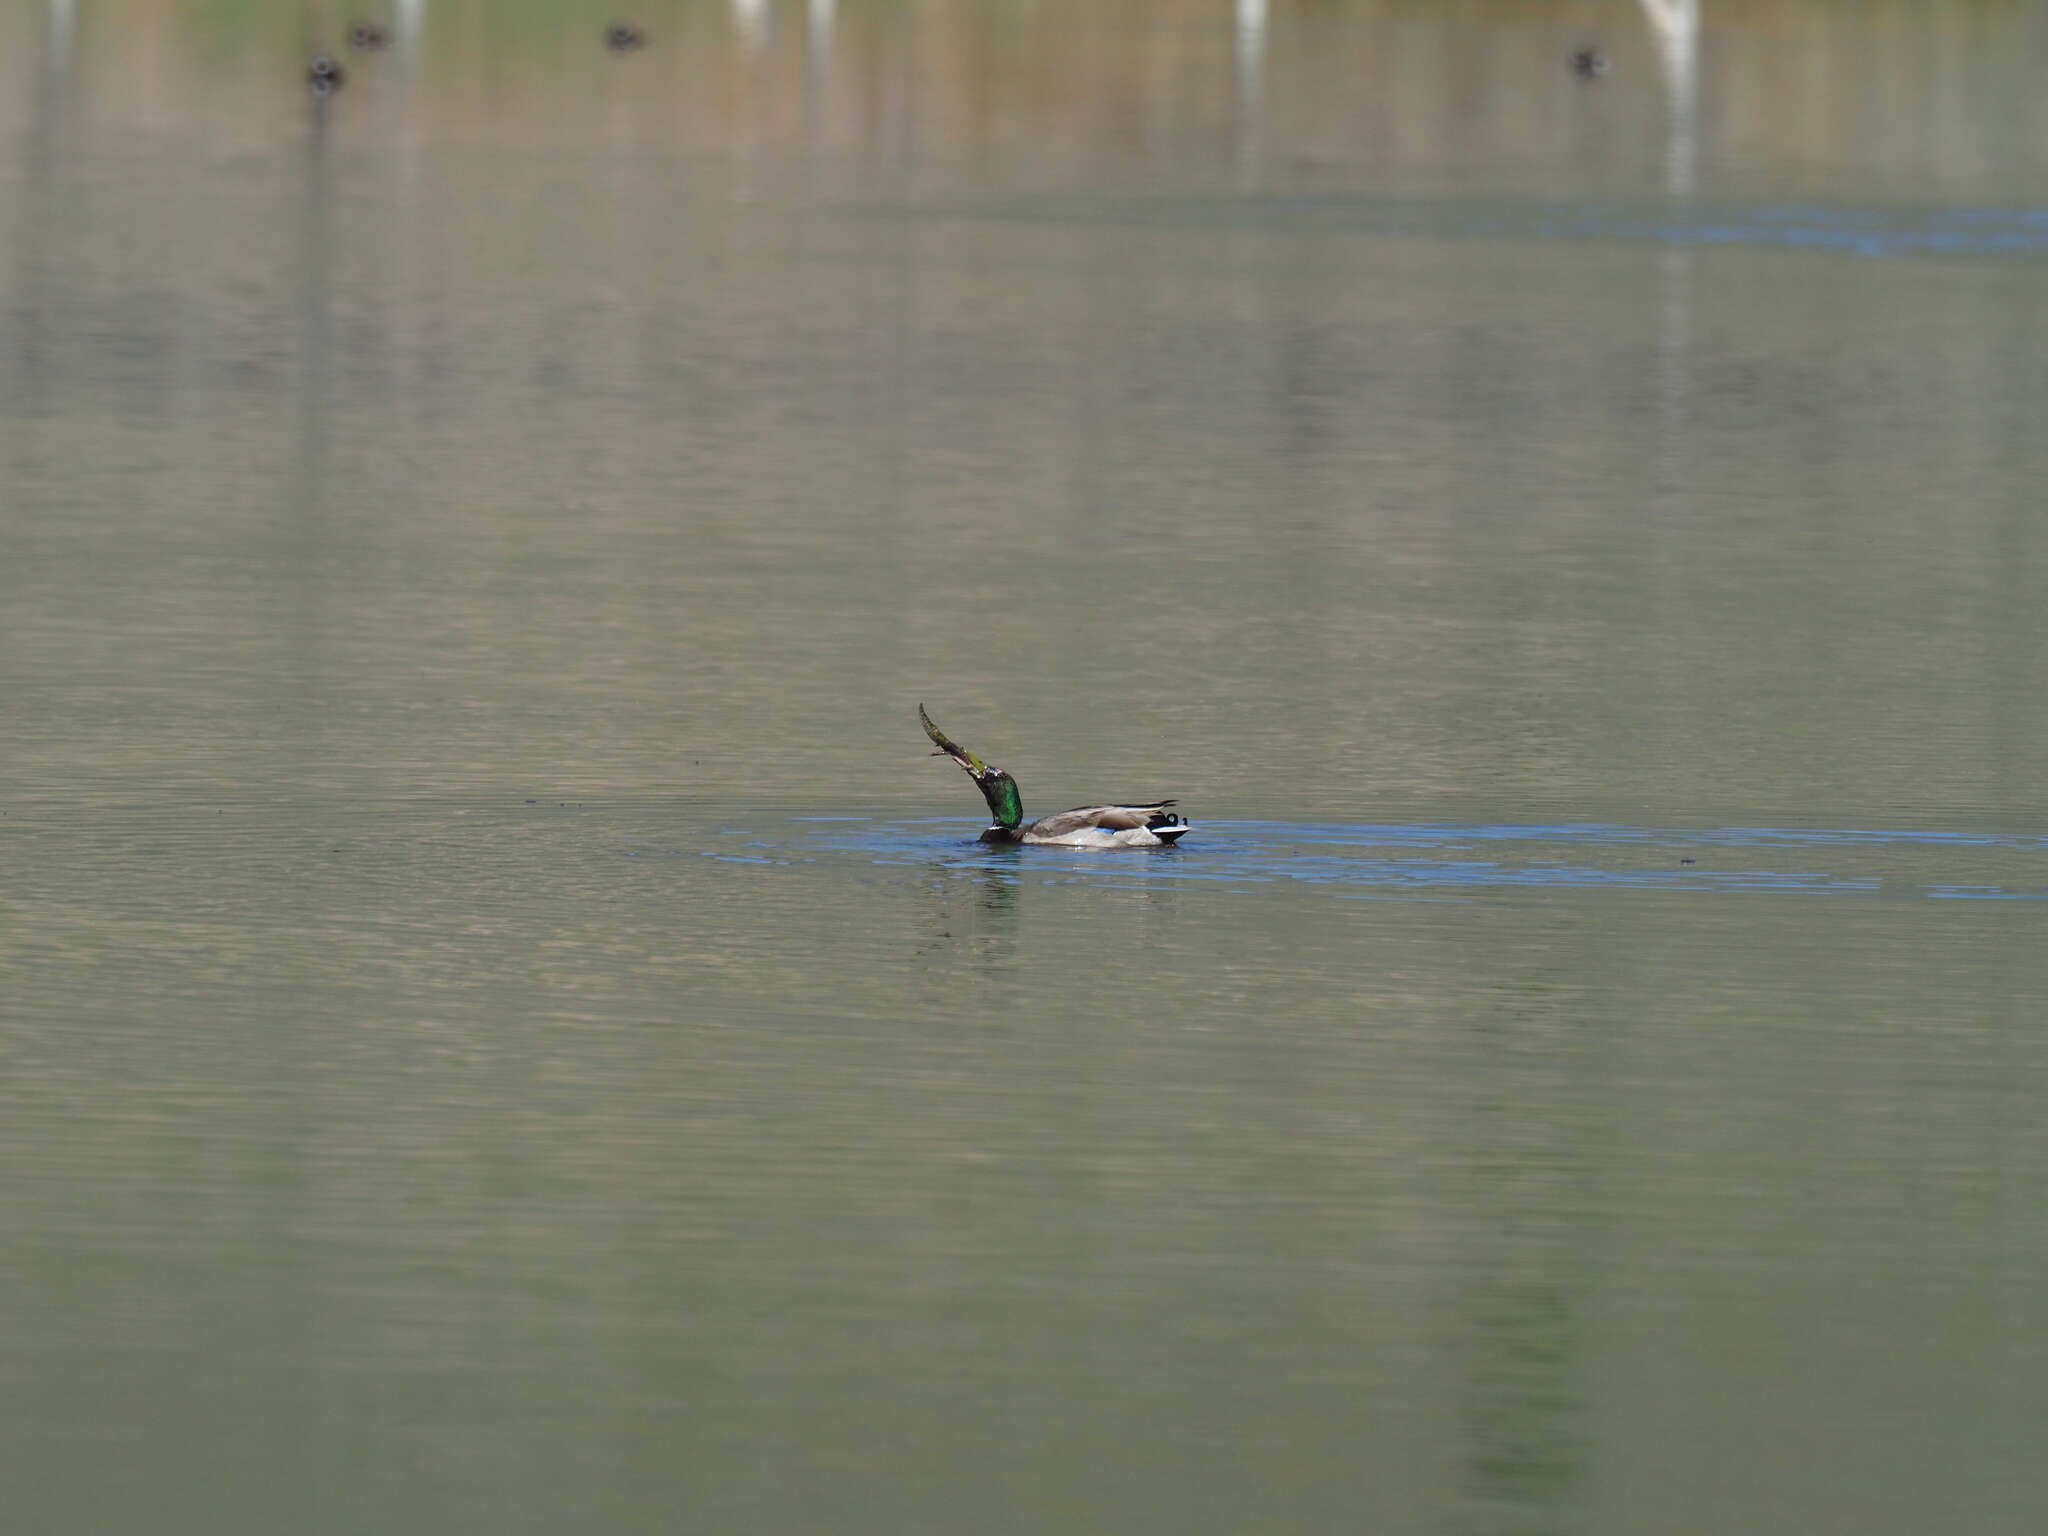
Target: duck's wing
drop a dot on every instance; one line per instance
(1112, 818)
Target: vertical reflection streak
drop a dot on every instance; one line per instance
(1251, 62)
(1677, 26)
(750, 21)
(819, 35)
(42, 157)
(314, 319)
(1676, 23)
(817, 103)
(407, 16)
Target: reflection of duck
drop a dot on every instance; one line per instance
(1086, 826)
(623, 37)
(366, 35)
(1589, 63)
(325, 76)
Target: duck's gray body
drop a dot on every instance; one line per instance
(1099, 826)
(1086, 826)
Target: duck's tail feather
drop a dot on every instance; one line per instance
(1163, 824)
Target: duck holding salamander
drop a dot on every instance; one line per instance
(1085, 826)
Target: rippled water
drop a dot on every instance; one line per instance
(1919, 863)
(504, 1025)
(1882, 231)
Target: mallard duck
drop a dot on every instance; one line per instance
(1085, 826)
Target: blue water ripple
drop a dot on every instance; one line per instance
(1413, 860)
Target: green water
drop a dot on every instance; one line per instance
(503, 1024)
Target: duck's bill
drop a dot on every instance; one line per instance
(948, 747)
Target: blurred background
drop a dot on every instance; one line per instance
(503, 1023)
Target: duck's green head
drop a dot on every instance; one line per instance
(1000, 791)
(996, 786)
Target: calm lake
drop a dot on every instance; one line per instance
(505, 1027)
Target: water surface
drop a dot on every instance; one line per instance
(505, 1026)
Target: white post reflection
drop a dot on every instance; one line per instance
(1251, 71)
(817, 104)
(1251, 47)
(820, 36)
(1677, 26)
(406, 18)
(750, 21)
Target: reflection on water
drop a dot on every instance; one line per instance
(1676, 24)
(506, 1027)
